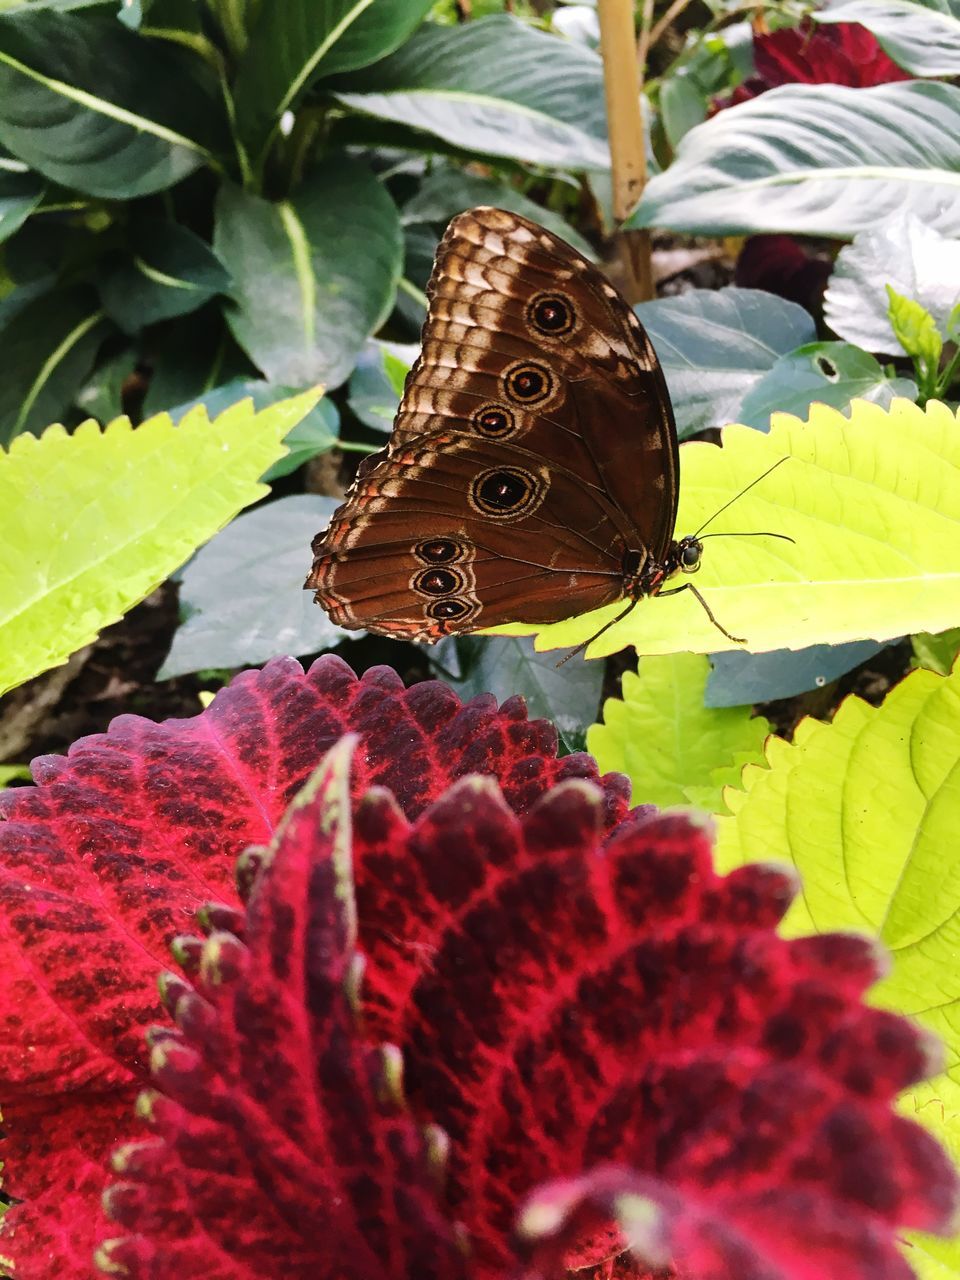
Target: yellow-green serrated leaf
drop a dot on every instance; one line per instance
(674, 749)
(914, 328)
(868, 809)
(873, 502)
(92, 522)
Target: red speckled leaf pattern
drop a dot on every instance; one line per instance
(123, 839)
(614, 1039)
(285, 1144)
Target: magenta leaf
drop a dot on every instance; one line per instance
(631, 1067)
(107, 859)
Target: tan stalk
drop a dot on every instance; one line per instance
(628, 155)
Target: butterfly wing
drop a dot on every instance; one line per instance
(534, 450)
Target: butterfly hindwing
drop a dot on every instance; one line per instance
(534, 448)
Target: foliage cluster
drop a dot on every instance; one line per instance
(207, 209)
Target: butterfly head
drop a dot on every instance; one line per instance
(689, 551)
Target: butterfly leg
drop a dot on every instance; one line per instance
(688, 586)
(606, 627)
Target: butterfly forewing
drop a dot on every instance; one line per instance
(533, 454)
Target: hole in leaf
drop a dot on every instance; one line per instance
(827, 368)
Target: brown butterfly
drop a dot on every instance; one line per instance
(533, 468)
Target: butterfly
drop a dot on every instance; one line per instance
(532, 473)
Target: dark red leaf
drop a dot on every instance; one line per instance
(812, 53)
(566, 998)
(616, 1041)
(285, 1147)
(110, 855)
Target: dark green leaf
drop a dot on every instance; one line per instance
(447, 190)
(313, 276)
(171, 272)
(832, 373)
(101, 396)
(376, 384)
(190, 356)
(742, 679)
(96, 108)
(49, 346)
(20, 193)
(294, 43)
(683, 106)
(496, 87)
(243, 592)
(818, 159)
(716, 346)
(508, 665)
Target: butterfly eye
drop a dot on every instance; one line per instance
(690, 553)
(497, 492)
(551, 314)
(438, 551)
(529, 383)
(437, 582)
(446, 609)
(494, 422)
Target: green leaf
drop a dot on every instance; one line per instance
(190, 357)
(49, 346)
(914, 328)
(817, 159)
(13, 773)
(313, 276)
(88, 104)
(448, 190)
(268, 551)
(376, 384)
(937, 652)
(314, 433)
(495, 87)
(922, 38)
(831, 373)
(506, 666)
(683, 105)
(20, 193)
(673, 749)
(716, 345)
(170, 272)
(294, 43)
(873, 503)
(101, 517)
(867, 810)
(743, 679)
(905, 253)
(101, 396)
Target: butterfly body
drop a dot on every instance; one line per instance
(532, 470)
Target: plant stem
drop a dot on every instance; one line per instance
(628, 147)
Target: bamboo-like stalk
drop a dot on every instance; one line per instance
(628, 155)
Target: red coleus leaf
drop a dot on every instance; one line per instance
(283, 1147)
(617, 1044)
(834, 53)
(111, 854)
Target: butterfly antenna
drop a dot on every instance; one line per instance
(737, 496)
(756, 533)
(590, 639)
